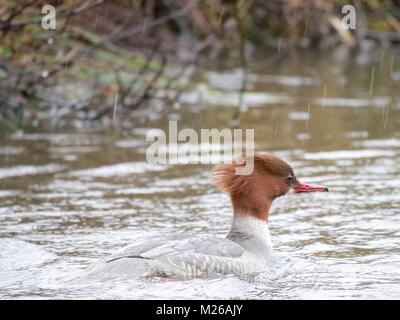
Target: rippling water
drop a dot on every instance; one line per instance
(69, 199)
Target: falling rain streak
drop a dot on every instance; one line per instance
(382, 59)
(385, 116)
(324, 96)
(371, 83)
(276, 131)
(391, 64)
(221, 15)
(115, 105)
(144, 25)
(306, 28)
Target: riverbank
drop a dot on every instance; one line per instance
(139, 59)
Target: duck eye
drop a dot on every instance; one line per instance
(289, 178)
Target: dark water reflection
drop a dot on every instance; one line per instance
(68, 199)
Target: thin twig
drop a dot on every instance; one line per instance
(119, 34)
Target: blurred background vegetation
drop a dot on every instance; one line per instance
(142, 54)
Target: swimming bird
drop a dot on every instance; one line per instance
(246, 248)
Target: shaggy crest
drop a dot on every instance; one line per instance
(226, 179)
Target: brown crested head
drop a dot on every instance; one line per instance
(253, 194)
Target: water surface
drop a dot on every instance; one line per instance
(68, 198)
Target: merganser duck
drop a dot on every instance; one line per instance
(247, 247)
